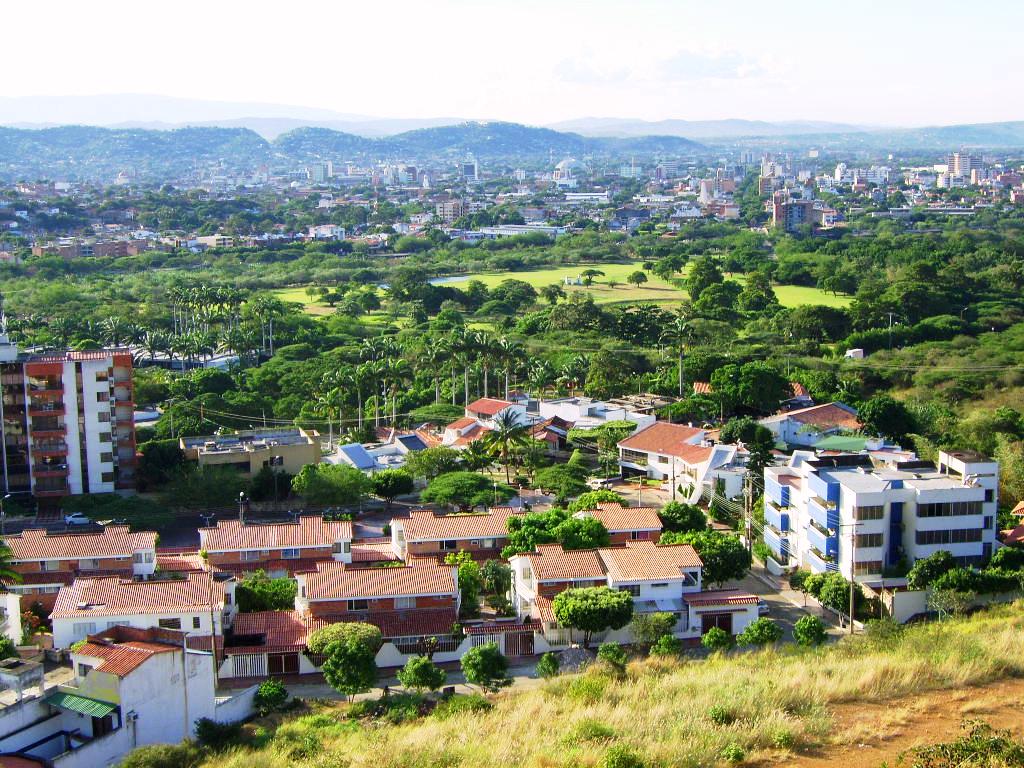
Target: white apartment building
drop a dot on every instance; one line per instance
(843, 513)
(586, 412)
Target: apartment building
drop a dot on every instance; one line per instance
(68, 421)
(49, 561)
(425, 533)
(287, 450)
(280, 549)
(845, 513)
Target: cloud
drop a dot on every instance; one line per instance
(687, 66)
(580, 72)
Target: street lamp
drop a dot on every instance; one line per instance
(3, 515)
(241, 506)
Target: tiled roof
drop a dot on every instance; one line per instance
(279, 629)
(472, 435)
(121, 658)
(424, 525)
(337, 581)
(1019, 509)
(546, 609)
(552, 563)
(827, 416)
(720, 597)
(799, 390)
(363, 553)
(465, 421)
(117, 596)
(431, 621)
(645, 560)
(702, 388)
(662, 437)
(618, 517)
(488, 406)
(309, 531)
(180, 562)
(694, 454)
(114, 541)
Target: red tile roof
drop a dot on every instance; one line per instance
(460, 424)
(552, 563)
(308, 531)
(720, 597)
(122, 658)
(618, 517)
(370, 553)
(114, 541)
(799, 390)
(646, 561)
(281, 630)
(663, 438)
(117, 596)
(470, 436)
(827, 416)
(702, 388)
(337, 581)
(694, 454)
(488, 406)
(424, 525)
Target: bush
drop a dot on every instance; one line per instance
(613, 655)
(8, 650)
(667, 645)
(395, 709)
(721, 715)
(733, 752)
(797, 580)
(928, 569)
(648, 628)
(809, 631)
(460, 704)
(620, 756)
(484, 665)
(763, 631)
(884, 632)
(717, 639)
(270, 697)
(184, 755)
(420, 673)
(683, 518)
(257, 592)
(1008, 559)
(588, 730)
(548, 665)
(367, 634)
(217, 736)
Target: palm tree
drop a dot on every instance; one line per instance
(509, 354)
(679, 333)
(540, 376)
(477, 456)
(574, 373)
(396, 372)
(507, 433)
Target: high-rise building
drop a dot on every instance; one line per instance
(962, 163)
(68, 422)
(470, 170)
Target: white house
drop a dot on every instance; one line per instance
(804, 427)
(479, 419)
(586, 412)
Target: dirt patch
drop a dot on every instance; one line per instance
(868, 734)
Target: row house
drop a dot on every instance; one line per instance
(843, 513)
(278, 548)
(196, 603)
(660, 578)
(49, 561)
(626, 523)
(430, 534)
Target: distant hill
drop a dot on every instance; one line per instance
(698, 129)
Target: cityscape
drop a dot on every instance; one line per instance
(353, 434)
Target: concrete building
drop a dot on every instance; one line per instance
(806, 427)
(288, 449)
(68, 422)
(586, 412)
(819, 510)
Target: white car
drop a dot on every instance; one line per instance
(76, 518)
(763, 608)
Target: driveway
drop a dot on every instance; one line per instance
(786, 606)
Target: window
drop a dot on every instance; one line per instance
(83, 670)
(106, 477)
(989, 494)
(88, 564)
(869, 513)
(250, 555)
(103, 416)
(474, 543)
(949, 509)
(867, 567)
(488, 543)
(51, 565)
(634, 457)
(405, 602)
(341, 546)
(358, 605)
(659, 585)
(949, 536)
(663, 459)
(633, 589)
(986, 522)
(195, 622)
(868, 540)
(102, 397)
(634, 535)
(142, 557)
(450, 545)
(81, 629)
(105, 437)
(170, 623)
(106, 457)
(117, 624)
(289, 554)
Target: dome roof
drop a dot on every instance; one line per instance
(566, 164)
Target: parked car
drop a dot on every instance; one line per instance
(602, 483)
(763, 608)
(76, 518)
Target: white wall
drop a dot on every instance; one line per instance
(91, 409)
(65, 633)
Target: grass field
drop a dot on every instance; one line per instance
(757, 707)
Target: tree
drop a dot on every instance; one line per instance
(271, 696)
(724, 556)
(485, 666)
(591, 499)
(809, 631)
(330, 484)
(391, 483)
(548, 665)
(683, 518)
(562, 480)
(421, 674)
(637, 278)
(507, 433)
(950, 602)
(834, 593)
(497, 577)
(885, 416)
(465, 490)
(552, 293)
(647, 628)
(8, 650)
(470, 581)
(593, 609)
(613, 655)
(344, 631)
(431, 462)
(257, 592)
(763, 631)
(582, 533)
(7, 573)
(588, 275)
(717, 639)
(1008, 558)
(928, 569)
(349, 667)
(703, 274)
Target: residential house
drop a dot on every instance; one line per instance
(586, 412)
(425, 533)
(49, 561)
(196, 603)
(277, 548)
(804, 427)
(845, 513)
(289, 449)
(624, 523)
(390, 453)
(479, 419)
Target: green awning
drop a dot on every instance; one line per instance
(841, 443)
(71, 702)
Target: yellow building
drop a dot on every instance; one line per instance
(287, 450)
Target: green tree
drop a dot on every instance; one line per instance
(271, 696)
(349, 667)
(928, 569)
(834, 593)
(582, 533)
(506, 435)
(683, 518)
(613, 655)
(343, 632)
(552, 293)
(647, 628)
(809, 631)
(470, 581)
(591, 499)
(704, 273)
(485, 666)
(724, 556)
(330, 484)
(465, 490)
(717, 639)
(763, 631)
(885, 416)
(593, 609)
(388, 484)
(258, 592)
(562, 480)
(637, 278)
(7, 573)
(548, 665)
(497, 577)
(431, 462)
(421, 674)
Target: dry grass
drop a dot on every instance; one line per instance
(779, 700)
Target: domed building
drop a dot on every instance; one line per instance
(564, 174)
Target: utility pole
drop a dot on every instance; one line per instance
(748, 506)
(853, 567)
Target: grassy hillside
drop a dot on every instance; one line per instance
(672, 713)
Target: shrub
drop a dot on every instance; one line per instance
(733, 752)
(667, 645)
(809, 631)
(420, 673)
(184, 755)
(484, 665)
(717, 639)
(367, 634)
(797, 580)
(884, 632)
(720, 715)
(270, 696)
(647, 628)
(588, 730)
(8, 650)
(783, 739)
(620, 756)
(763, 631)
(928, 569)
(1008, 559)
(588, 688)
(613, 655)
(548, 665)
(460, 704)
(217, 736)
(257, 592)
(395, 709)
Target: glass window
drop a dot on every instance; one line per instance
(358, 605)
(869, 513)
(405, 602)
(174, 623)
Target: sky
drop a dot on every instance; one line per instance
(898, 62)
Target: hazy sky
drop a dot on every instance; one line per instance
(909, 62)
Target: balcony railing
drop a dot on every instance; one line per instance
(820, 562)
(775, 517)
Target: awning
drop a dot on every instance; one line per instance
(71, 702)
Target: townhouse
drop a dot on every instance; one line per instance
(278, 548)
(196, 603)
(624, 523)
(431, 534)
(849, 514)
(250, 451)
(48, 561)
(660, 578)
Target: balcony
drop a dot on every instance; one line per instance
(50, 470)
(825, 514)
(820, 539)
(779, 545)
(776, 492)
(775, 517)
(37, 408)
(50, 449)
(820, 563)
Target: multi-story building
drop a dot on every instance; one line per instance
(843, 513)
(289, 449)
(790, 214)
(277, 548)
(49, 561)
(425, 533)
(624, 523)
(68, 421)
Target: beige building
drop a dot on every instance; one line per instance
(287, 450)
